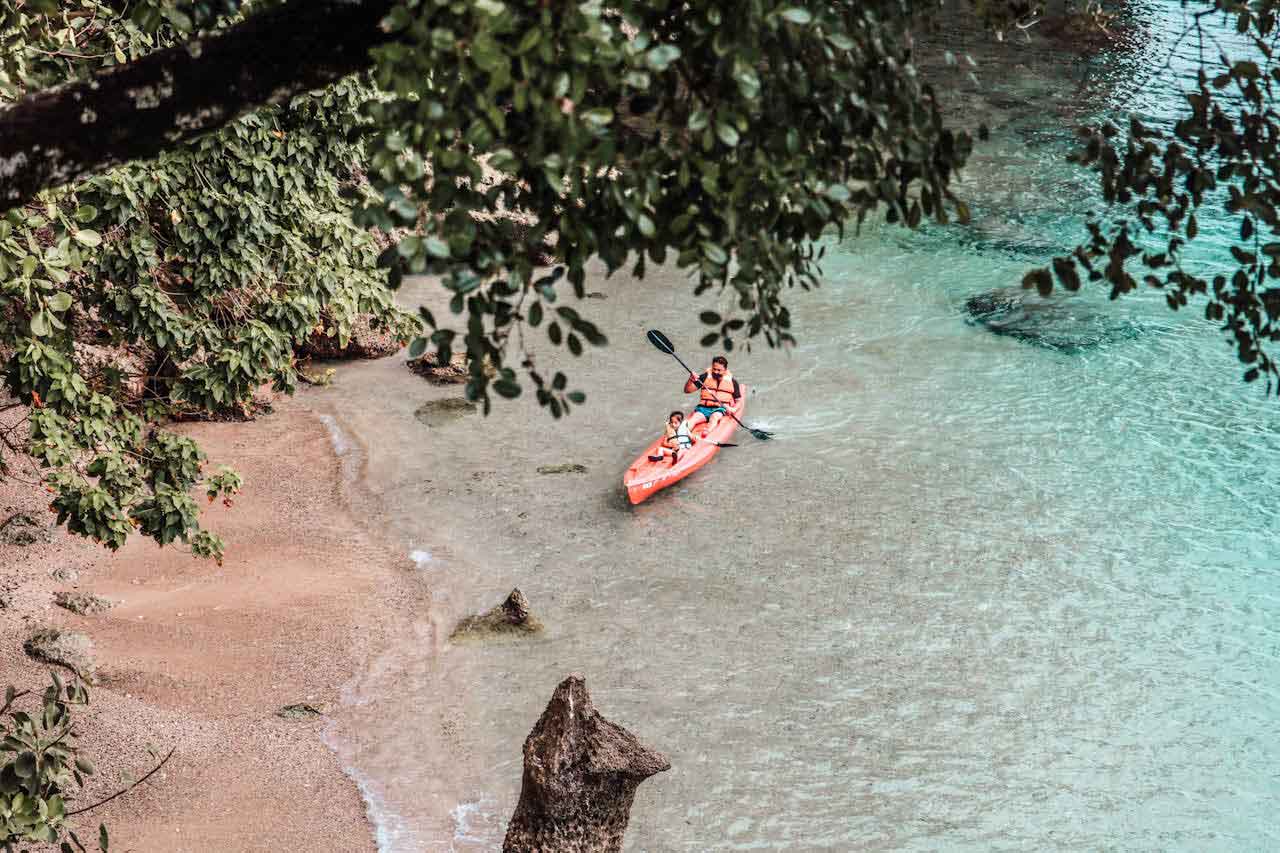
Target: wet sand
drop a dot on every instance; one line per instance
(199, 657)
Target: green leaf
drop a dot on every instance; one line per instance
(747, 79)
(714, 253)
(89, 238)
(577, 397)
(796, 15)
(417, 347)
(437, 248)
(59, 302)
(86, 213)
(660, 57)
(409, 246)
(530, 40)
(504, 160)
(181, 20)
(1040, 279)
(39, 324)
(599, 117)
(727, 133)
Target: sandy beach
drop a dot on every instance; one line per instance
(199, 657)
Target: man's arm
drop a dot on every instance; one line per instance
(691, 385)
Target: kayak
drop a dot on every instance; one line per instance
(644, 478)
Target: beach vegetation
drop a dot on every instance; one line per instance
(40, 765)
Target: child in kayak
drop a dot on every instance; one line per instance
(676, 438)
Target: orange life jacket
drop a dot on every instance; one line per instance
(717, 393)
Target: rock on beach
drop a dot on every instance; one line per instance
(581, 773)
(510, 618)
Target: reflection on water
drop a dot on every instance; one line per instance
(978, 595)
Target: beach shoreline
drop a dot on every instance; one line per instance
(199, 658)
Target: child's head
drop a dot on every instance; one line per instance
(675, 418)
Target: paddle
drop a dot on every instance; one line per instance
(660, 341)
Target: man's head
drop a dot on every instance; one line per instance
(675, 418)
(719, 366)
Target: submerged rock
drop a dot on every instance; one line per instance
(430, 368)
(440, 412)
(511, 617)
(1059, 323)
(66, 648)
(22, 529)
(83, 603)
(566, 468)
(580, 777)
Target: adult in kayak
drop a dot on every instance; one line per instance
(717, 388)
(676, 438)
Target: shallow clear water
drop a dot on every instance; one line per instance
(978, 595)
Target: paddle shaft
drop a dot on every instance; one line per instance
(660, 341)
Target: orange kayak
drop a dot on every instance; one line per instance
(644, 478)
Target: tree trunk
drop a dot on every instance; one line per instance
(137, 110)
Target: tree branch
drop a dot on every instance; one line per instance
(124, 791)
(137, 110)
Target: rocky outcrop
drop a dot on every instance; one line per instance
(367, 341)
(114, 370)
(455, 372)
(580, 777)
(430, 368)
(64, 648)
(82, 603)
(511, 617)
(1067, 324)
(22, 529)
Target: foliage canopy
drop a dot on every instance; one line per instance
(720, 137)
(174, 288)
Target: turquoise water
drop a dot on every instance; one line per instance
(980, 594)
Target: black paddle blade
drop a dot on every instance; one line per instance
(763, 435)
(660, 341)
